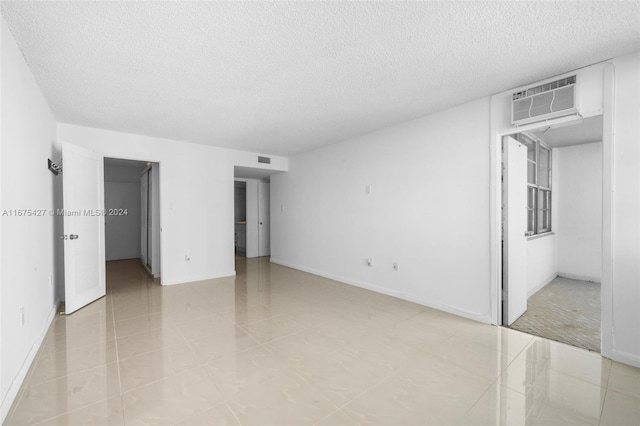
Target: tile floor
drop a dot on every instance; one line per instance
(566, 311)
(275, 346)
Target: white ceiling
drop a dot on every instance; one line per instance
(287, 77)
(584, 131)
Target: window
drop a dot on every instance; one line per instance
(538, 185)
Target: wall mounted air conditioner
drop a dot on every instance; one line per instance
(545, 101)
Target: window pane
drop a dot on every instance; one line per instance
(542, 200)
(544, 211)
(543, 177)
(531, 199)
(547, 200)
(544, 158)
(531, 172)
(531, 151)
(532, 196)
(545, 220)
(541, 215)
(544, 165)
(531, 223)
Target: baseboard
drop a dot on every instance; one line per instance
(579, 277)
(541, 285)
(399, 295)
(625, 358)
(203, 278)
(13, 390)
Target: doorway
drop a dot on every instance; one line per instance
(552, 236)
(240, 217)
(252, 213)
(87, 217)
(132, 230)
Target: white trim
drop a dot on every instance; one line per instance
(607, 345)
(495, 218)
(204, 278)
(624, 357)
(13, 390)
(579, 277)
(537, 236)
(382, 290)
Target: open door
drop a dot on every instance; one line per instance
(514, 258)
(84, 246)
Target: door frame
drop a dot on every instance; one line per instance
(607, 209)
(148, 260)
(253, 215)
(152, 159)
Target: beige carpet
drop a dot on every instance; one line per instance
(565, 310)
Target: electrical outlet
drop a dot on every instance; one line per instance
(187, 258)
(370, 262)
(368, 190)
(395, 266)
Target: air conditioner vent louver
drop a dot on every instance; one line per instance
(543, 102)
(264, 160)
(565, 99)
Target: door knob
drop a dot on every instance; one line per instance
(63, 237)
(73, 237)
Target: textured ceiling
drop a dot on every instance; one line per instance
(287, 77)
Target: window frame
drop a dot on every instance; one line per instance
(539, 209)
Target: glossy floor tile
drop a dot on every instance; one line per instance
(276, 346)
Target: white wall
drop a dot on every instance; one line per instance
(579, 208)
(542, 262)
(122, 233)
(196, 197)
(28, 134)
(428, 211)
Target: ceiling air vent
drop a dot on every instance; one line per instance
(543, 102)
(264, 160)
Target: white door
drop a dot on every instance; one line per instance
(83, 199)
(514, 258)
(264, 219)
